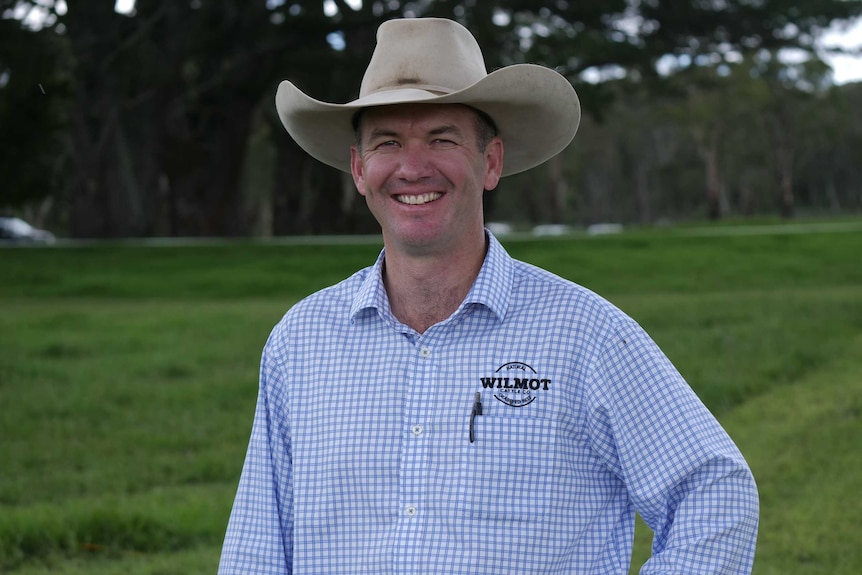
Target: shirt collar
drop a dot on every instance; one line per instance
(492, 288)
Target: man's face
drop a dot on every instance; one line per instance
(422, 172)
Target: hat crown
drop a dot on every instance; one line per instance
(437, 61)
(432, 54)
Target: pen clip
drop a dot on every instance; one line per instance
(477, 410)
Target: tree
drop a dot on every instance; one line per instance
(828, 173)
(34, 91)
(164, 105)
(163, 101)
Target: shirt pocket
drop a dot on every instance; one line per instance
(507, 473)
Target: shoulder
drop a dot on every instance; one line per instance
(539, 291)
(323, 310)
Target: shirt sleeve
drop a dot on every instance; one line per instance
(684, 474)
(259, 538)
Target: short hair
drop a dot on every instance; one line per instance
(486, 129)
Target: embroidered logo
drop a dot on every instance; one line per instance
(516, 384)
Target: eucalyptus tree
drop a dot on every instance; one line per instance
(163, 99)
(34, 89)
(828, 171)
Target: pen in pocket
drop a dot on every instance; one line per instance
(477, 410)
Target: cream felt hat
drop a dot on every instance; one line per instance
(438, 61)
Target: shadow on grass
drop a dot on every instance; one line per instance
(102, 532)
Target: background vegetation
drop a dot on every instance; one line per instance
(128, 372)
(128, 377)
(160, 121)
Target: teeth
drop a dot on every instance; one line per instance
(416, 200)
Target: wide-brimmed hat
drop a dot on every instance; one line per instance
(438, 61)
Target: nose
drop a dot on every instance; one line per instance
(413, 163)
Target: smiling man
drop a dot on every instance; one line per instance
(423, 169)
(450, 409)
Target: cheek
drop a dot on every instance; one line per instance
(371, 176)
(358, 170)
(364, 181)
(369, 187)
(360, 187)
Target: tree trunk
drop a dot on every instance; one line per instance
(785, 179)
(708, 148)
(558, 190)
(118, 126)
(643, 191)
(289, 214)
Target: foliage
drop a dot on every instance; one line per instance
(162, 103)
(34, 89)
(716, 144)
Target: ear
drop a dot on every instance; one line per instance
(493, 163)
(357, 170)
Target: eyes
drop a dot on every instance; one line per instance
(436, 143)
(386, 144)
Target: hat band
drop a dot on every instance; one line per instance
(409, 85)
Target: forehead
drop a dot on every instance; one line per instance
(420, 116)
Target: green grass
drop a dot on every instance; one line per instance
(128, 378)
(803, 441)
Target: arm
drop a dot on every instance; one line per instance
(259, 538)
(683, 473)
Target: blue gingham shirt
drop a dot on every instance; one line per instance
(360, 459)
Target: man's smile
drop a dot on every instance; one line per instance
(418, 199)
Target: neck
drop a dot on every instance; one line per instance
(426, 290)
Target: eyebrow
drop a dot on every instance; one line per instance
(381, 133)
(446, 129)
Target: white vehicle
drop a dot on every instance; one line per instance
(16, 230)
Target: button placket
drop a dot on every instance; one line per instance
(414, 479)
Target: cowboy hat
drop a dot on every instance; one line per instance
(438, 61)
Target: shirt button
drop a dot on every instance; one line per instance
(417, 430)
(410, 511)
(425, 352)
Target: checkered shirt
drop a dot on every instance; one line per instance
(361, 458)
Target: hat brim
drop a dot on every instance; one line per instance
(535, 109)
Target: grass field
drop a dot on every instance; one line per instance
(128, 378)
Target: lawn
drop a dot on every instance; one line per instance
(128, 377)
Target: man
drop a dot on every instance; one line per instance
(450, 409)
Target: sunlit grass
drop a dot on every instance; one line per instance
(128, 377)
